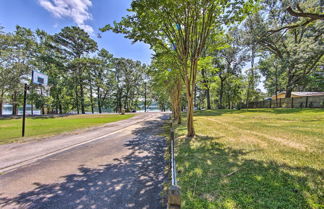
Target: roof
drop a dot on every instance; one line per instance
(304, 94)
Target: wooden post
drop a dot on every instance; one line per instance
(279, 102)
(306, 103)
(174, 200)
(292, 102)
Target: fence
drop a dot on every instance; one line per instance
(293, 102)
(174, 201)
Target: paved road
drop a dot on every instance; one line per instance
(119, 165)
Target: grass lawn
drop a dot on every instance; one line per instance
(10, 129)
(258, 158)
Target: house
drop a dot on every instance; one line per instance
(297, 94)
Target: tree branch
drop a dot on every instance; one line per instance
(312, 16)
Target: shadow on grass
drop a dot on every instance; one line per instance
(261, 110)
(214, 176)
(133, 181)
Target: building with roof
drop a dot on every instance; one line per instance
(298, 94)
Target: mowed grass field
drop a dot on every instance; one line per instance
(10, 129)
(258, 158)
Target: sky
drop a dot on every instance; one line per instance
(53, 15)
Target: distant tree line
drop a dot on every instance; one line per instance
(213, 54)
(82, 78)
(207, 55)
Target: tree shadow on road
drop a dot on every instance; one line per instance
(133, 181)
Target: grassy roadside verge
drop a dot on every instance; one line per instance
(259, 158)
(10, 129)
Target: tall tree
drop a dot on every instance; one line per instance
(183, 24)
(75, 43)
(299, 50)
(17, 50)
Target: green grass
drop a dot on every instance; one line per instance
(10, 129)
(259, 158)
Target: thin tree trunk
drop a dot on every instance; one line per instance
(14, 103)
(91, 98)
(208, 98)
(57, 103)
(276, 87)
(251, 79)
(190, 125)
(76, 94)
(42, 107)
(289, 87)
(207, 93)
(190, 87)
(99, 99)
(179, 85)
(1, 102)
(77, 99)
(82, 98)
(221, 93)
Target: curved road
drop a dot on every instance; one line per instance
(118, 165)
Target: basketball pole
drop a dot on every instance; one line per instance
(24, 111)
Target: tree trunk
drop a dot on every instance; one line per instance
(82, 97)
(190, 88)
(207, 93)
(42, 107)
(60, 108)
(57, 105)
(176, 101)
(99, 99)
(208, 98)
(1, 104)
(77, 98)
(190, 126)
(289, 87)
(91, 99)
(276, 80)
(31, 100)
(179, 85)
(221, 93)
(288, 92)
(14, 103)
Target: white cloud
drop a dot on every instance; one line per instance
(75, 9)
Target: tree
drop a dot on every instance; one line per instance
(229, 62)
(308, 11)
(299, 51)
(16, 53)
(102, 76)
(75, 43)
(166, 80)
(185, 25)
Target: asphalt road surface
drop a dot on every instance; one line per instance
(119, 165)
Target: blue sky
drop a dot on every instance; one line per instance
(53, 15)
